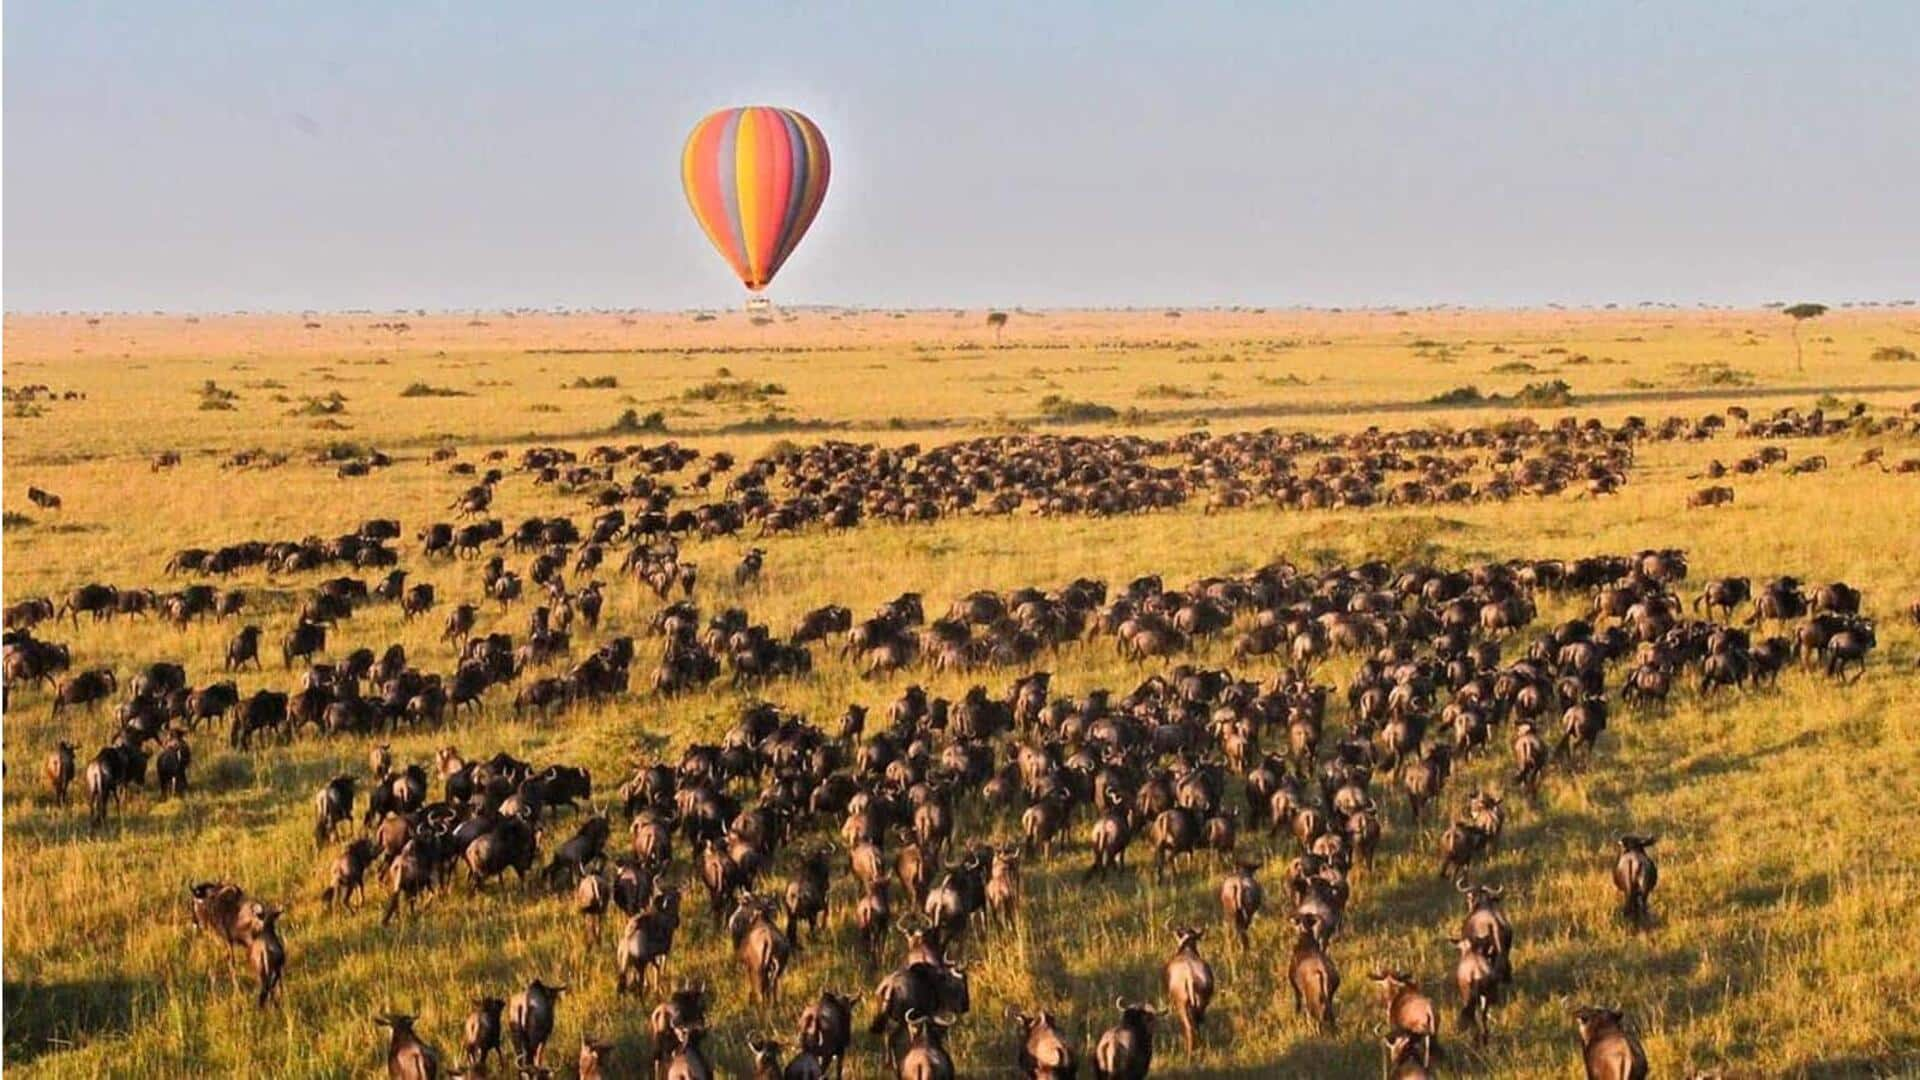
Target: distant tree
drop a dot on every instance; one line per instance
(1800, 313)
(997, 320)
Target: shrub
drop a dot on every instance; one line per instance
(421, 389)
(1060, 410)
(1547, 395)
(1513, 367)
(344, 450)
(13, 519)
(1894, 354)
(1459, 395)
(332, 403)
(631, 422)
(1718, 373)
(1170, 391)
(732, 390)
(597, 382)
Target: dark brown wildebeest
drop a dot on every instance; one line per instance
(1241, 898)
(1476, 979)
(417, 600)
(59, 771)
(85, 688)
(1125, 1050)
(1188, 979)
(481, 1037)
(306, 639)
(266, 952)
(1717, 495)
(96, 600)
(171, 764)
(346, 878)
(763, 950)
(45, 500)
(1607, 1049)
(1410, 1011)
(1045, 1051)
(530, 1019)
(1312, 975)
(1635, 875)
(408, 1057)
(29, 613)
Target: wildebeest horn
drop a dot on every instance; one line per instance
(1120, 1002)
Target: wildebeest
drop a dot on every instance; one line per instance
(408, 1056)
(683, 1012)
(926, 1057)
(1477, 981)
(1188, 979)
(1125, 1050)
(84, 688)
(826, 1030)
(59, 771)
(530, 1020)
(1607, 1049)
(763, 950)
(481, 1035)
(266, 952)
(1635, 875)
(171, 763)
(1410, 1011)
(1241, 898)
(332, 807)
(1045, 1051)
(1312, 975)
(304, 640)
(346, 878)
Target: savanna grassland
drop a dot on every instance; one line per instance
(1782, 942)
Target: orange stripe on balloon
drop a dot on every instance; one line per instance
(774, 181)
(748, 155)
(700, 175)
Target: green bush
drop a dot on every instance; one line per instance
(421, 389)
(1547, 395)
(1060, 410)
(631, 422)
(732, 390)
(1459, 395)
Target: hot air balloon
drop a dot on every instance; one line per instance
(755, 178)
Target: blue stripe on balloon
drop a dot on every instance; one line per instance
(728, 149)
(796, 190)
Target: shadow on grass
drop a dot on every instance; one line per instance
(46, 1018)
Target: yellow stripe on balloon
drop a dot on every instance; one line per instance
(747, 178)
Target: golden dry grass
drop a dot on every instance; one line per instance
(1790, 895)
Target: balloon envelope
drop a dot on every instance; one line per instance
(755, 178)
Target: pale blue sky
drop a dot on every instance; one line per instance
(258, 155)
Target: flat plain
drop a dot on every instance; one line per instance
(1782, 936)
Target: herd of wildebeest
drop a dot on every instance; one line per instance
(911, 822)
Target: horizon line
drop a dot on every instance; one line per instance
(1015, 309)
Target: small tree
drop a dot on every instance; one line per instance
(1800, 313)
(997, 320)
